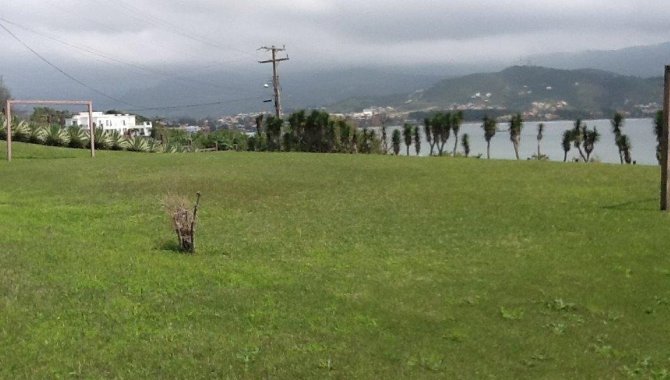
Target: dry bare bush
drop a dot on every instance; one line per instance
(183, 219)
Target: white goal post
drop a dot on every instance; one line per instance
(8, 116)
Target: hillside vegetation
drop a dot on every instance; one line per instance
(330, 265)
(588, 93)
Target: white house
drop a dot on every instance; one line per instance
(125, 124)
(192, 129)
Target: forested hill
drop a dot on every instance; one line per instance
(526, 88)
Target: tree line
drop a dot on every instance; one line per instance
(315, 131)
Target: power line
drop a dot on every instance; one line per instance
(38, 55)
(217, 103)
(70, 13)
(100, 54)
(170, 27)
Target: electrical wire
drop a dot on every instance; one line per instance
(42, 58)
(100, 54)
(133, 11)
(217, 103)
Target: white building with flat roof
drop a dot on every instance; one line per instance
(125, 124)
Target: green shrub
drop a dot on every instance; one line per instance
(116, 140)
(21, 131)
(155, 146)
(56, 136)
(102, 140)
(3, 127)
(171, 149)
(137, 144)
(78, 138)
(37, 134)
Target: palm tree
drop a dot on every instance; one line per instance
(489, 125)
(441, 129)
(370, 142)
(617, 124)
(456, 121)
(345, 135)
(591, 137)
(436, 127)
(623, 142)
(566, 143)
(407, 131)
(465, 143)
(515, 125)
(330, 137)
(395, 141)
(540, 135)
(273, 131)
(384, 142)
(427, 129)
(355, 138)
(578, 137)
(658, 131)
(316, 125)
(296, 130)
(417, 140)
(259, 124)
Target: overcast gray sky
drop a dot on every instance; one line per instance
(326, 32)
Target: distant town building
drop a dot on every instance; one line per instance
(125, 124)
(192, 128)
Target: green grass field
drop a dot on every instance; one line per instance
(342, 266)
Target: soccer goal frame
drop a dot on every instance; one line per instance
(8, 116)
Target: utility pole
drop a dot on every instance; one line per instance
(275, 77)
(665, 147)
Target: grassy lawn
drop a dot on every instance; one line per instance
(343, 266)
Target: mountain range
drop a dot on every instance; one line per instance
(541, 91)
(608, 79)
(194, 92)
(642, 61)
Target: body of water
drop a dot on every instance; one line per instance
(640, 132)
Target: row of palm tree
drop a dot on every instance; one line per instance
(580, 137)
(437, 131)
(438, 128)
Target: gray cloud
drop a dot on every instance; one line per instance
(329, 32)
